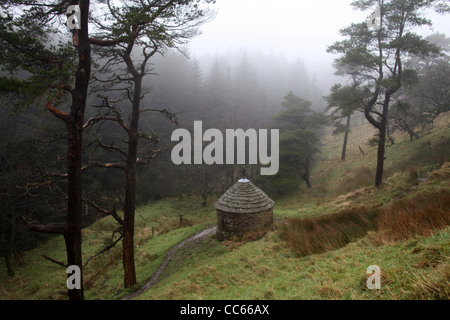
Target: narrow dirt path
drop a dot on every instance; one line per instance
(154, 279)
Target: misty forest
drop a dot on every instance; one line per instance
(120, 176)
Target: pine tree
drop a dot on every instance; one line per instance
(375, 57)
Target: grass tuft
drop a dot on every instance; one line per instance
(402, 220)
(435, 287)
(317, 235)
(421, 215)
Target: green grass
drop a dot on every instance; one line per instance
(269, 268)
(103, 275)
(345, 184)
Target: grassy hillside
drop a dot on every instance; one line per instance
(413, 267)
(103, 275)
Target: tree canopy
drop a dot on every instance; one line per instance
(375, 57)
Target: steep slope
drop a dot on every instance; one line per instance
(269, 269)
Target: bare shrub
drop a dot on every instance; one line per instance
(422, 215)
(419, 216)
(318, 235)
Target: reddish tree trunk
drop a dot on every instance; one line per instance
(75, 148)
(130, 189)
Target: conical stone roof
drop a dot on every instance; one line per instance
(244, 197)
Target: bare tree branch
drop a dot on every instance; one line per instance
(107, 248)
(105, 212)
(172, 116)
(97, 164)
(56, 228)
(111, 148)
(65, 265)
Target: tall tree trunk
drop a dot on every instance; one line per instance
(75, 148)
(74, 187)
(308, 181)
(380, 157)
(11, 248)
(130, 188)
(306, 175)
(382, 129)
(128, 226)
(5, 245)
(347, 129)
(8, 264)
(74, 211)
